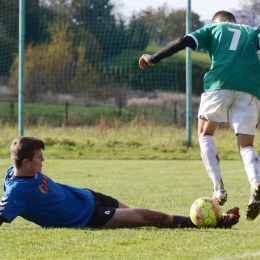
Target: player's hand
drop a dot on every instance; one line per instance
(145, 61)
(229, 218)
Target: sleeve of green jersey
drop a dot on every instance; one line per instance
(259, 41)
(200, 36)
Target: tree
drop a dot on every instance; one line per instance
(98, 18)
(8, 46)
(85, 39)
(9, 29)
(57, 66)
(156, 20)
(176, 23)
(10, 19)
(137, 34)
(249, 13)
(165, 25)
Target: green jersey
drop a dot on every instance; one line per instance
(232, 49)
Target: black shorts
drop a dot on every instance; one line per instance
(104, 210)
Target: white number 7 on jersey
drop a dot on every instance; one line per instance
(235, 39)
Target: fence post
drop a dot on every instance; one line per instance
(188, 79)
(11, 109)
(175, 113)
(67, 112)
(21, 66)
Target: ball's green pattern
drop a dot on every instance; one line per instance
(205, 212)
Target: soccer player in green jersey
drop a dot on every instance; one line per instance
(231, 94)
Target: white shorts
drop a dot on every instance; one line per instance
(238, 108)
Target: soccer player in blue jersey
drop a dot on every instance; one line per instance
(35, 197)
(231, 94)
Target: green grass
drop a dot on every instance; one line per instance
(55, 115)
(136, 140)
(167, 185)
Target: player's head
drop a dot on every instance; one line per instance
(223, 16)
(23, 147)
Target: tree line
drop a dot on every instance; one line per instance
(69, 42)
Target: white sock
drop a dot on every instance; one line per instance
(209, 155)
(251, 164)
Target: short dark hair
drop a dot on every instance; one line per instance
(23, 147)
(224, 16)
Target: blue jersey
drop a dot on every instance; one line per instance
(45, 202)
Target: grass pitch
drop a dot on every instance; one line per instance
(169, 186)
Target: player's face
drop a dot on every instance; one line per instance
(35, 165)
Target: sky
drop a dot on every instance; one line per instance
(204, 8)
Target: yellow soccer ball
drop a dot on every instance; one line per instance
(205, 212)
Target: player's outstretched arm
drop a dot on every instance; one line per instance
(167, 51)
(229, 218)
